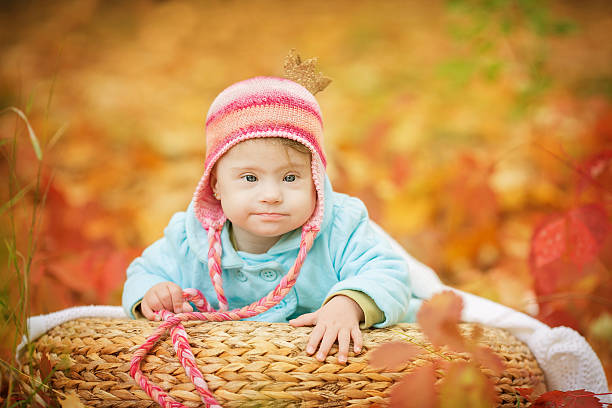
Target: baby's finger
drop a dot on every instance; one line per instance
(307, 319)
(328, 341)
(314, 339)
(176, 297)
(357, 339)
(155, 305)
(164, 298)
(344, 339)
(147, 311)
(187, 307)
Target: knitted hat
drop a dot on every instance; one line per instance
(259, 107)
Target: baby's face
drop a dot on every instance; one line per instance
(265, 188)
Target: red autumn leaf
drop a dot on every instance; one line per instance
(554, 277)
(581, 232)
(588, 229)
(582, 246)
(439, 318)
(594, 169)
(563, 247)
(594, 216)
(416, 389)
(46, 369)
(548, 243)
(567, 399)
(393, 355)
(525, 392)
(45, 366)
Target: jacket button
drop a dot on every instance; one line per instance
(268, 275)
(241, 276)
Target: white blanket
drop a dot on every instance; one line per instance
(568, 361)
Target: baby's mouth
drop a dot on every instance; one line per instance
(270, 215)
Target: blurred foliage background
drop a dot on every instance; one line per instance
(466, 126)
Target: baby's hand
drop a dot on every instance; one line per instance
(164, 296)
(339, 318)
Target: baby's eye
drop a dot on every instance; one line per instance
(250, 178)
(289, 178)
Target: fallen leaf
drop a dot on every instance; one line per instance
(393, 355)
(45, 367)
(487, 358)
(439, 318)
(72, 400)
(466, 386)
(567, 399)
(525, 392)
(416, 389)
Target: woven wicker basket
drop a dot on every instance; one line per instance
(249, 364)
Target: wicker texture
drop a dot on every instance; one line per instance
(249, 364)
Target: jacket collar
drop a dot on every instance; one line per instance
(197, 237)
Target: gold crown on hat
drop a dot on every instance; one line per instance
(305, 72)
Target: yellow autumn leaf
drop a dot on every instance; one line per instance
(466, 386)
(72, 400)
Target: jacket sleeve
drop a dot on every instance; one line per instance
(371, 313)
(365, 261)
(158, 263)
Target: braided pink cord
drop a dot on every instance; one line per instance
(173, 322)
(214, 266)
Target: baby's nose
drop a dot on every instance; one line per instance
(271, 192)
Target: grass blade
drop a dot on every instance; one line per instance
(56, 136)
(33, 138)
(15, 199)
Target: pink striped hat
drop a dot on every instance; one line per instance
(257, 108)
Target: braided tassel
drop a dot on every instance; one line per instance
(195, 296)
(187, 359)
(214, 265)
(173, 322)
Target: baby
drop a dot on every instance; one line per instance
(263, 201)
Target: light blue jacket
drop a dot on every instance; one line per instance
(347, 254)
